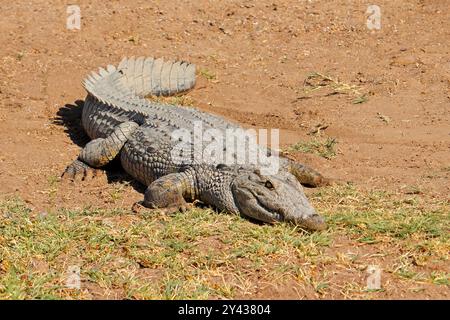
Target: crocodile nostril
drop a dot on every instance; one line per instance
(316, 222)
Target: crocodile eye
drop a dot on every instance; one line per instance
(269, 185)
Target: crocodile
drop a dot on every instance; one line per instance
(122, 123)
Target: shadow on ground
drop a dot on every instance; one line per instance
(69, 117)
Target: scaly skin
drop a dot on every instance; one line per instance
(124, 124)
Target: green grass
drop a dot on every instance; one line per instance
(324, 147)
(207, 74)
(441, 278)
(181, 100)
(379, 214)
(416, 230)
(201, 254)
(360, 99)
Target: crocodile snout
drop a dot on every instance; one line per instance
(314, 222)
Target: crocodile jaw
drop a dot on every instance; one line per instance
(274, 198)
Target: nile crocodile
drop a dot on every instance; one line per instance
(123, 124)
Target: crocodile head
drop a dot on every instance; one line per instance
(272, 198)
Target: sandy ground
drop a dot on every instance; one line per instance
(260, 53)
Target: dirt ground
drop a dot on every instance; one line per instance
(256, 56)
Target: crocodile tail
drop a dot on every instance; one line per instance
(121, 90)
(149, 76)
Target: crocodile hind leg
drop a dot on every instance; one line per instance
(99, 152)
(168, 193)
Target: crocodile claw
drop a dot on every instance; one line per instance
(79, 171)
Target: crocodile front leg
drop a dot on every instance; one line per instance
(99, 152)
(168, 193)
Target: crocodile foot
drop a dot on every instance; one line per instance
(308, 176)
(139, 208)
(80, 171)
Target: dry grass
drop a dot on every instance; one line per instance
(316, 81)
